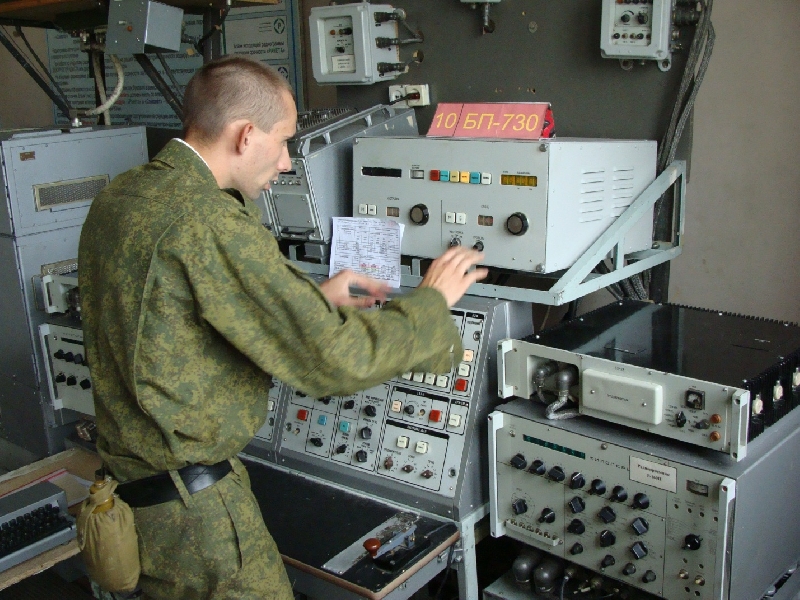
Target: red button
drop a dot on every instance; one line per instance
(461, 385)
(435, 416)
(434, 174)
(302, 415)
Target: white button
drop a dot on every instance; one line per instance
(422, 447)
(372, 209)
(419, 377)
(402, 442)
(441, 381)
(430, 378)
(468, 355)
(406, 376)
(461, 218)
(362, 209)
(486, 178)
(463, 370)
(449, 217)
(270, 405)
(397, 406)
(454, 421)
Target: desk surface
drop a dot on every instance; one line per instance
(312, 521)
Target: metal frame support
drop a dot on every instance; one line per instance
(464, 559)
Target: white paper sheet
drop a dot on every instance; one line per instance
(368, 246)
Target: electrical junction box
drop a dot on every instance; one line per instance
(139, 26)
(344, 48)
(640, 30)
(528, 205)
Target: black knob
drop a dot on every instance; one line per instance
(78, 360)
(537, 467)
(680, 419)
(361, 456)
(577, 505)
(577, 481)
(547, 516)
(61, 378)
(702, 424)
(629, 569)
(576, 549)
(576, 526)
(642, 18)
(370, 410)
(607, 538)
(598, 487)
(692, 542)
(72, 380)
(518, 461)
(69, 357)
(342, 449)
(607, 561)
(478, 246)
(640, 526)
(519, 506)
(641, 501)
(419, 214)
(517, 224)
(410, 409)
(315, 441)
(649, 577)
(366, 433)
(618, 494)
(455, 242)
(639, 550)
(556, 474)
(85, 384)
(625, 18)
(59, 354)
(349, 404)
(607, 515)
(327, 400)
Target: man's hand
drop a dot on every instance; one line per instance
(337, 289)
(449, 273)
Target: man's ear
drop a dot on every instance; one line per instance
(244, 136)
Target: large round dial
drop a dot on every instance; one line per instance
(419, 214)
(517, 224)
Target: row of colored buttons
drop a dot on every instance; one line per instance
(302, 415)
(455, 176)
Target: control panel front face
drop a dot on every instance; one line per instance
(294, 210)
(411, 429)
(697, 412)
(68, 374)
(267, 431)
(644, 520)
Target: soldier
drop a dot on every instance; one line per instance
(189, 309)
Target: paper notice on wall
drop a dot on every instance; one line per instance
(367, 246)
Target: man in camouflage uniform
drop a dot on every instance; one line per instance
(189, 309)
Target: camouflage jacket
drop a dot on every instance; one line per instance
(189, 308)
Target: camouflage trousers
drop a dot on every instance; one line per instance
(215, 546)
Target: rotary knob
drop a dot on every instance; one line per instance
(547, 516)
(69, 357)
(642, 18)
(519, 506)
(639, 550)
(370, 410)
(341, 449)
(349, 404)
(641, 501)
(315, 441)
(410, 409)
(518, 461)
(607, 538)
(517, 224)
(419, 214)
(577, 481)
(556, 474)
(629, 569)
(365, 433)
(537, 467)
(361, 456)
(607, 561)
(692, 542)
(78, 360)
(618, 494)
(640, 526)
(85, 384)
(72, 380)
(598, 487)
(61, 378)
(607, 515)
(326, 400)
(577, 505)
(576, 549)
(649, 577)
(576, 526)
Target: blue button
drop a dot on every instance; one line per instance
(444, 175)
(323, 419)
(344, 427)
(474, 177)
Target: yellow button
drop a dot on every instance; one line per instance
(464, 177)
(454, 176)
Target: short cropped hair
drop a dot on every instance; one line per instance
(230, 88)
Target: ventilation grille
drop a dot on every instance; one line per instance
(49, 195)
(319, 116)
(62, 267)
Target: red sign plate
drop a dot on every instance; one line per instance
(520, 121)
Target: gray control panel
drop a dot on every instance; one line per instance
(68, 378)
(416, 439)
(644, 511)
(532, 206)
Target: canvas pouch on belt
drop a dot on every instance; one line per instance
(107, 538)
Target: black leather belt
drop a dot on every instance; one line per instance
(160, 488)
